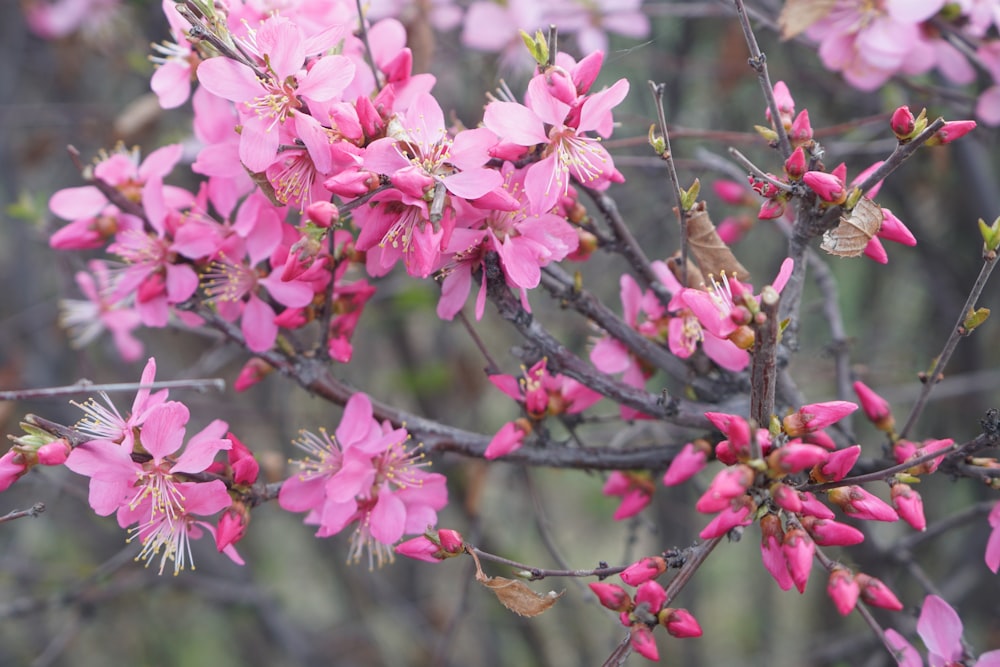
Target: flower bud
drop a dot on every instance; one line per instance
(876, 408)
(643, 642)
(860, 504)
(838, 465)
(903, 123)
(799, 550)
(909, 505)
(816, 416)
(54, 453)
(877, 594)
(801, 130)
(612, 596)
(830, 533)
(951, 131)
(843, 590)
(796, 457)
(253, 371)
(828, 187)
(796, 164)
(771, 553)
(679, 623)
(688, 462)
(644, 570)
(738, 513)
(729, 483)
(651, 595)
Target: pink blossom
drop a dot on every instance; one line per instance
(86, 320)
(738, 513)
(12, 468)
(993, 544)
(509, 438)
(729, 483)
(680, 623)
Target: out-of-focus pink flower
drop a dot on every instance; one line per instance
(738, 513)
(12, 467)
(993, 544)
(509, 438)
(729, 483)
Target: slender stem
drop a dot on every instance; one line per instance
(957, 332)
(691, 565)
(675, 184)
(32, 511)
(758, 62)
(369, 54)
(763, 370)
(532, 573)
(757, 171)
(85, 387)
(492, 368)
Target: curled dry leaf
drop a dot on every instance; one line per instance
(712, 254)
(514, 594)
(855, 230)
(797, 15)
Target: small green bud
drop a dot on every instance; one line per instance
(974, 318)
(690, 197)
(991, 235)
(656, 141)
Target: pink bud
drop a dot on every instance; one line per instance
(612, 596)
(419, 548)
(909, 505)
(732, 229)
(795, 457)
(798, 549)
(771, 553)
(730, 192)
(860, 504)
(322, 213)
(643, 642)
(894, 230)
(735, 428)
(54, 453)
(821, 439)
(876, 408)
(785, 103)
(586, 71)
(903, 450)
(816, 416)
(232, 526)
(801, 130)
(351, 183)
(688, 462)
(771, 209)
(828, 187)
(559, 85)
(369, 117)
(253, 371)
(877, 594)
(811, 506)
(244, 466)
(451, 541)
(951, 131)
(509, 438)
(636, 491)
(863, 176)
(830, 533)
(737, 514)
(652, 595)
(838, 465)
(644, 570)
(903, 123)
(843, 590)
(680, 623)
(786, 498)
(729, 483)
(12, 467)
(876, 251)
(796, 164)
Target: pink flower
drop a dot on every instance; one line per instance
(567, 151)
(509, 438)
(838, 465)
(993, 544)
(772, 554)
(738, 513)
(729, 483)
(941, 629)
(100, 312)
(12, 468)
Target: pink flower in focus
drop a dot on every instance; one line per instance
(635, 490)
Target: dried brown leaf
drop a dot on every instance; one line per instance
(855, 230)
(797, 15)
(514, 594)
(712, 254)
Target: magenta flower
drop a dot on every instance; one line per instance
(644, 570)
(635, 490)
(567, 150)
(686, 464)
(87, 319)
(772, 553)
(277, 90)
(993, 544)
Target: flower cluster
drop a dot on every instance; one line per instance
(367, 476)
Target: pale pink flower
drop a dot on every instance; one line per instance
(87, 319)
(175, 62)
(104, 422)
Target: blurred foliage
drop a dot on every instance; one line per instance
(71, 595)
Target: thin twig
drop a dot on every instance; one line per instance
(32, 511)
(86, 386)
(674, 182)
(957, 331)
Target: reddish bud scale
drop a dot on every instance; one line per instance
(903, 123)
